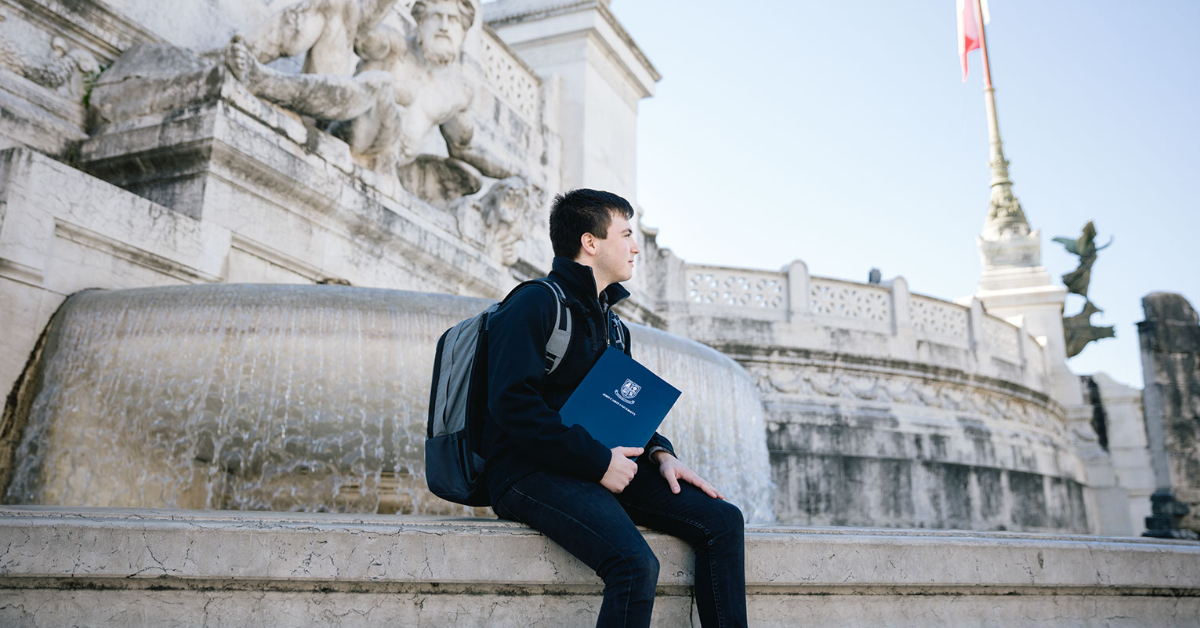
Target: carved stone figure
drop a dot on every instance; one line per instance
(431, 92)
(65, 71)
(1085, 247)
(505, 209)
(498, 220)
(327, 33)
(405, 88)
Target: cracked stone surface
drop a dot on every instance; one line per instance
(108, 567)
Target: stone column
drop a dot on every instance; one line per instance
(799, 301)
(1170, 342)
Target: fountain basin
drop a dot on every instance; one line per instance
(299, 398)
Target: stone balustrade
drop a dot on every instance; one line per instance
(884, 320)
(759, 290)
(509, 76)
(885, 407)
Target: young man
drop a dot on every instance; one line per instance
(566, 484)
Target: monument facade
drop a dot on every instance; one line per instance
(410, 150)
(409, 147)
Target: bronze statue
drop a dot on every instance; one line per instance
(1078, 329)
(1085, 247)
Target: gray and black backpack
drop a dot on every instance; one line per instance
(458, 397)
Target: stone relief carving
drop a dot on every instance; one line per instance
(66, 71)
(389, 91)
(808, 381)
(499, 219)
(404, 88)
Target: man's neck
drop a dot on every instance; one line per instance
(601, 284)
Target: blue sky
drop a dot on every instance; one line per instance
(840, 133)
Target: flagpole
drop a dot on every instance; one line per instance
(987, 72)
(1005, 213)
(997, 161)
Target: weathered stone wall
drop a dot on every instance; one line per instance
(880, 442)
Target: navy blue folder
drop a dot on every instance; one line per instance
(619, 402)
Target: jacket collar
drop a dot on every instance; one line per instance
(580, 283)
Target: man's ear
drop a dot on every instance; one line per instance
(587, 243)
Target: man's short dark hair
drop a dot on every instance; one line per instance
(583, 211)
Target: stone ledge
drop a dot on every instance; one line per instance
(132, 568)
(290, 551)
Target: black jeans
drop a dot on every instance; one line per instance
(598, 528)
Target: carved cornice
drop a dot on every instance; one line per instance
(499, 17)
(92, 24)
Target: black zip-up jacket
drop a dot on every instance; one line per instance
(523, 431)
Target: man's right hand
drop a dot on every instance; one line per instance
(620, 469)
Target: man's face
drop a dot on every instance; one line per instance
(615, 253)
(441, 32)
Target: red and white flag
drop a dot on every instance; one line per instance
(968, 29)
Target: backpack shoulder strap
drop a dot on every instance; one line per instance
(619, 334)
(560, 338)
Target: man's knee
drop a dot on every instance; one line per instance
(647, 563)
(727, 519)
(639, 566)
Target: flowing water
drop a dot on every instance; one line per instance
(312, 398)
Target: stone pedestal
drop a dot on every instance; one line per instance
(189, 137)
(1015, 284)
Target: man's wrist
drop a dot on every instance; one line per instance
(659, 454)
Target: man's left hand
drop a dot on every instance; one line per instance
(673, 470)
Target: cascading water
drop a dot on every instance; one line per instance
(257, 397)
